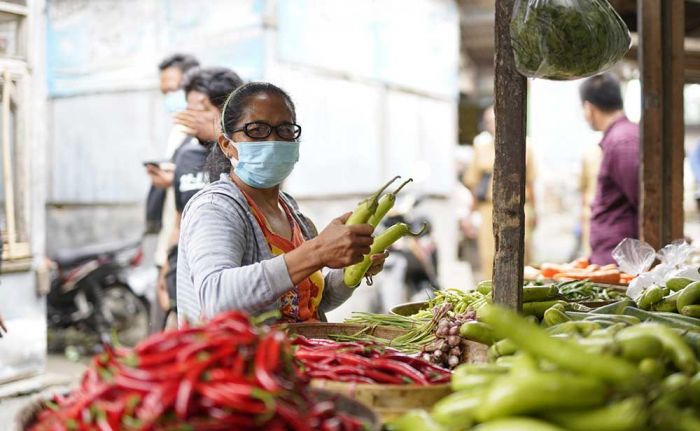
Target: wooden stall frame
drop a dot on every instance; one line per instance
(509, 166)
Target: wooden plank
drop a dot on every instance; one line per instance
(509, 166)
(651, 123)
(661, 60)
(674, 128)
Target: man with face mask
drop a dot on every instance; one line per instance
(205, 90)
(160, 203)
(614, 211)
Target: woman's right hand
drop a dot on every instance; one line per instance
(338, 245)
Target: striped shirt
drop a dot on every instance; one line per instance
(225, 263)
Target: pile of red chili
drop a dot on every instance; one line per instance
(362, 362)
(225, 375)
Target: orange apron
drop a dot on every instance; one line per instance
(300, 303)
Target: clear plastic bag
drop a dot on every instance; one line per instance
(636, 257)
(567, 39)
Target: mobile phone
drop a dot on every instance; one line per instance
(152, 163)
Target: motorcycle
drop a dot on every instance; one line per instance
(411, 270)
(94, 290)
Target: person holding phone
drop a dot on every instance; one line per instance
(205, 89)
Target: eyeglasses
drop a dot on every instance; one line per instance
(261, 130)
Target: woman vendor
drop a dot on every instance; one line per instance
(244, 244)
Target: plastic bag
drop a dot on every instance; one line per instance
(567, 39)
(675, 254)
(634, 256)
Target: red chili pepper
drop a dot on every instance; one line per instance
(419, 364)
(184, 392)
(268, 346)
(158, 340)
(401, 369)
(354, 360)
(292, 417)
(381, 377)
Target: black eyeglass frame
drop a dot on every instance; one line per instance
(244, 129)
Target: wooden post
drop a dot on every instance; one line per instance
(509, 166)
(661, 60)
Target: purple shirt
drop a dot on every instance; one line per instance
(614, 211)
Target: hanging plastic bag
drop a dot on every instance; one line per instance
(567, 39)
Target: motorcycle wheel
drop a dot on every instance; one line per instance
(130, 314)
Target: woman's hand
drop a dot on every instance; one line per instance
(377, 263)
(338, 245)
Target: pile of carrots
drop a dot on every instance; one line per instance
(582, 269)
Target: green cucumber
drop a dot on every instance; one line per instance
(470, 382)
(677, 283)
(564, 354)
(517, 424)
(690, 295)
(414, 420)
(457, 409)
(691, 310)
(635, 347)
(477, 331)
(651, 296)
(540, 293)
(536, 392)
(614, 308)
(484, 287)
(626, 415)
(675, 347)
(538, 308)
(554, 316)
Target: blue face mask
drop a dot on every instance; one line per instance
(175, 101)
(265, 164)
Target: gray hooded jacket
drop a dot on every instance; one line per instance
(225, 263)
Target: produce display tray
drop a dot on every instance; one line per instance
(387, 401)
(343, 403)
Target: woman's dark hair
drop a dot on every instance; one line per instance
(216, 82)
(231, 113)
(184, 62)
(602, 91)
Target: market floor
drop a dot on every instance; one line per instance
(60, 373)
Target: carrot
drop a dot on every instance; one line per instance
(592, 267)
(581, 262)
(548, 270)
(607, 267)
(605, 276)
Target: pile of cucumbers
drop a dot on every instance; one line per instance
(679, 295)
(618, 368)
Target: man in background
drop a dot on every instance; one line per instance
(479, 180)
(614, 211)
(160, 203)
(206, 91)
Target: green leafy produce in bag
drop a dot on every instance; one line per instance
(567, 39)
